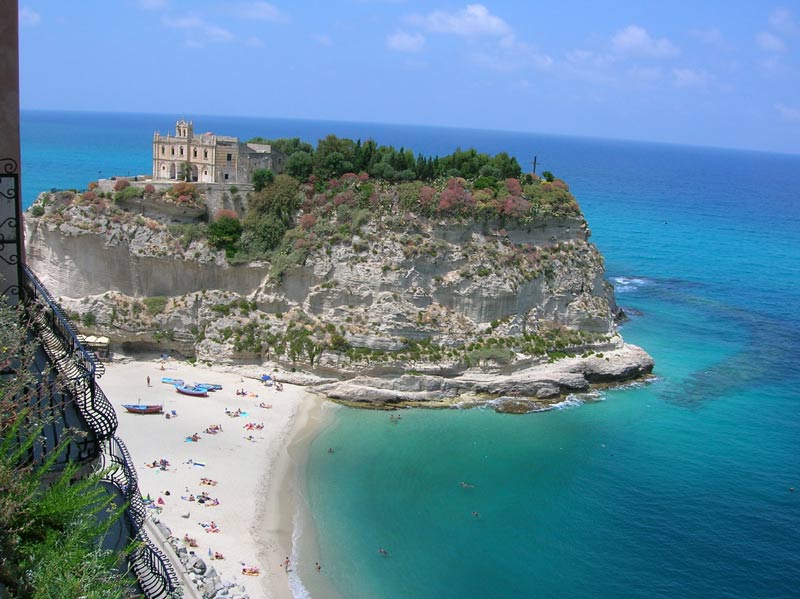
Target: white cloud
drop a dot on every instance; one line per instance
(788, 113)
(474, 20)
(199, 26)
(770, 43)
(29, 17)
(783, 22)
(688, 78)
(261, 11)
(636, 40)
(154, 4)
(405, 42)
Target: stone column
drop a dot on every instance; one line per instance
(11, 248)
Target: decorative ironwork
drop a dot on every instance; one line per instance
(153, 569)
(10, 234)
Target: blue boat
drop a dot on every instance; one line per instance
(190, 390)
(208, 386)
(171, 381)
(144, 408)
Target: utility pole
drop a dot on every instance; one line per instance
(535, 158)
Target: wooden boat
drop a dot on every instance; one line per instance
(171, 381)
(144, 408)
(190, 390)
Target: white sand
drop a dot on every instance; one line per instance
(254, 477)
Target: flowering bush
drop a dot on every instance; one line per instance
(121, 184)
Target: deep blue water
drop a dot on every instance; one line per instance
(676, 489)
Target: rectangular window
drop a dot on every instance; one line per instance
(181, 150)
(194, 153)
(230, 156)
(226, 174)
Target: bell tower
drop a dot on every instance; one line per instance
(184, 129)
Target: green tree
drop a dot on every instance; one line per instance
(224, 233)
(261, 177)
(548, 176)
(300, 165)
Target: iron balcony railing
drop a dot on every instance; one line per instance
(77, 369)
(154, 572)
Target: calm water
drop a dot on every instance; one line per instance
(675, 489)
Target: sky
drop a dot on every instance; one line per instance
(698, 72)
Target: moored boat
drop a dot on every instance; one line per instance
(191, 390)
(171, 381)
(144, 408)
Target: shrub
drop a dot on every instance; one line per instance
(234, 189)
(155, 305)
(307, 221)
(261, 177)
(224, 233)
(37, 210)
(149, 188)
(224, 212)
(89, 196)
(121, 184)
(182, 188)
(128, 193)
(92, 185)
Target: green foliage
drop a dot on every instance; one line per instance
(300, 165)
(224, 233)
(499, 355)
(261, 177)
(89, 319)
(128, 193)
(49, 533)
(548, 176)
(155, 305)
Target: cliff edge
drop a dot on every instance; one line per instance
(372, 292)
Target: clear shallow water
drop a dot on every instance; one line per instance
(675, 489)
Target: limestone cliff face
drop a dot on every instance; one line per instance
(439, 297)
(75, 262)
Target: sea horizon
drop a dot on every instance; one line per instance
(680, 487)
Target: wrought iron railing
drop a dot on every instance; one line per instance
(78, 366)
(77, 369)
(153, 569)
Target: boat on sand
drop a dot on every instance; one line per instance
(144, 408)
(191, 390)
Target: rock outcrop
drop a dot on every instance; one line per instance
(470, 309)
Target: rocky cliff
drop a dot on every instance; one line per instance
(447, 299)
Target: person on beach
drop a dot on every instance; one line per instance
(285, 564)
(317, 566)
(148, 381)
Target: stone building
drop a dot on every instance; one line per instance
(209, 158)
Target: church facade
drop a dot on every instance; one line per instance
(210, 158)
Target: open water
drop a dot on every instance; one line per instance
(680, 488)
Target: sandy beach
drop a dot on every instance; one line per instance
(250, 501)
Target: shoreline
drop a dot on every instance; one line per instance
(252, 470)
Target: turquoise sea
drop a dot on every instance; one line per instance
(680, 488)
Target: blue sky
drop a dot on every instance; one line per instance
(702, 72)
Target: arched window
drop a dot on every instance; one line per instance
(172, 151)
(181, 150)
(194, 153)
(163, 167)
(162, 150)
(205, 153)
